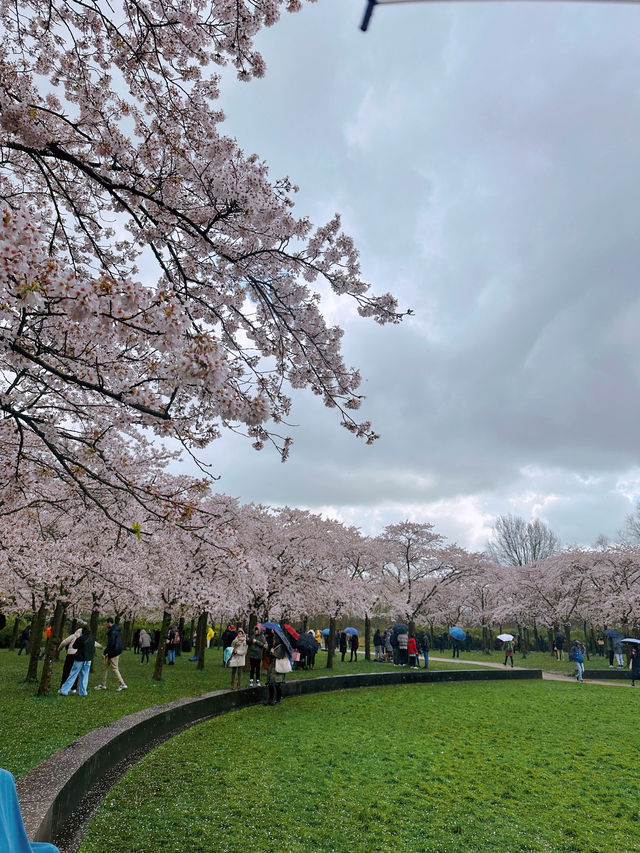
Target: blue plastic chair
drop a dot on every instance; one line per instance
(13, 837)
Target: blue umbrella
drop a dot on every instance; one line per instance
(273, 626)
(457, 633)
(325, 632)
(351, 631)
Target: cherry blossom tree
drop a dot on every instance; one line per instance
(154, 281)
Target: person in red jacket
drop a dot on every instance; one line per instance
(412, 649)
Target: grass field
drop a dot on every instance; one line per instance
(32, 728)
(448, 768)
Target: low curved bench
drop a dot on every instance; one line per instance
(50, 793)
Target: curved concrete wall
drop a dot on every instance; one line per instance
(50, 793)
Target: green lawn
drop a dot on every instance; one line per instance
(448, 768)
(33, 728)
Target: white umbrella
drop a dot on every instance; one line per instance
(630, 640)
(505, 637)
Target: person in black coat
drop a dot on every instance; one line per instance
(343, 645)
(634, 664)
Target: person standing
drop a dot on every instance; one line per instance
(111, 656)
(237, 659)
(634, 664)
(145, 644)
(426, 647)
(343, 645)
(275, 679)
(377, 645)
(617, 649)
(84, 648)
(257, 646)
(172, 643)
(353, 644)
(228, 636)
(412, 649)
(403, 648)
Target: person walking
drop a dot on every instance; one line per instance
(353, 644)
(111, 656)
(23, 639)
(508, 652)
(145, 645)
(237, 659)
(84, 648)
(576, 654)
(257, 647)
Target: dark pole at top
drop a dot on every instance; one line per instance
(368, 12)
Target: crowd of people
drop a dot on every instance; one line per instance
(272, 651)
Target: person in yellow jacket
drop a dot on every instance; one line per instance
(318, 637)
(210, 635)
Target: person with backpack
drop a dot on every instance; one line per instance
(508, 652)
(171, 644)
(111, 655)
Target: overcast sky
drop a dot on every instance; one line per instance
(485, 157)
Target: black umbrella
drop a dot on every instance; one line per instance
(613, 633)
(273, 626)
(307, 643)
(400, 628)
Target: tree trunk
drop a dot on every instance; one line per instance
(305, 625)
(37, 626)
(14, 634)
(490, 640)
(535, 637)
(585, 631)
(50, 650)
(367, 638)
(201, 638)
(332, 642)
(164, 630)
(93, 625)
(551, 641)
(192, 630)
(181, 633)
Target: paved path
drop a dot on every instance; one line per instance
(546, 676)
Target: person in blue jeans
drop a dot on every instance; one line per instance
(577, 656)
(84, 646)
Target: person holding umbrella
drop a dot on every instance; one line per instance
(508, 651)
(634, 664)
(275, 678)
(343, 645)
(353, 644)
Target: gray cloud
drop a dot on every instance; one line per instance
(485, 158)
